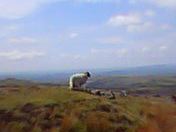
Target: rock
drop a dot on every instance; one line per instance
(108, 94)
(96, 92)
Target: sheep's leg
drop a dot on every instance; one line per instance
(77, 87)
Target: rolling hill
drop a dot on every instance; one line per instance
(57, 109)
(62, 77)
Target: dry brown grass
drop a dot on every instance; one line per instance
(160, 116)
(59, 109)
(72, 124)
(98, 122)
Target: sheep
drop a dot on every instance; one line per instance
(78, 80)
(123, 93)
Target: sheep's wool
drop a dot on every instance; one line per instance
(77, 80)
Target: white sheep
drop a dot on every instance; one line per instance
(123, 93)
(78, 80)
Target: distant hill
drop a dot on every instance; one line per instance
(143, 70)
(164, 85)
(63, 77)
(57, 77)
(12, 82)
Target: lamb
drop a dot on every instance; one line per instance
(78, 80)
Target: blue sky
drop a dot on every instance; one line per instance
(45, 35)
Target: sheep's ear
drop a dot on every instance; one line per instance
(88, 74)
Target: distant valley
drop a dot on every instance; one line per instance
(158, 79)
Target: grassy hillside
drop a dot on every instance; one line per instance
(53, 109)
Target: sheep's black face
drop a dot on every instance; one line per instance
(88, 74)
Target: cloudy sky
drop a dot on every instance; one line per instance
(44, 35)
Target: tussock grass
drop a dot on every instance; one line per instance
(40, 97)
(59, 109)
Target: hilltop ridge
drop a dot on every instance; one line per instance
(56, 108)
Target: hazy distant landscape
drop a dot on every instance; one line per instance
(150, 80)
(63, 76)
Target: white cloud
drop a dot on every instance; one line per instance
(109, 40)
(140, 27)
(73, 35)
(164, 3)
(12, 27)
(67, 36)
(166, 26)
(71, 56)
(132, 22)
(14, 9)
(145, 49)
(163, 48)
(97, 1)
(22, 40)
(95, 51)
(7, 29)
(132, 1)
(150, 13)
(18, 55)
(124, 20)
(122, 52)
(159, 3)
(109, 52)
(154, 50)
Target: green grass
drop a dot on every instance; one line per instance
(59, 109)
(40, 97)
